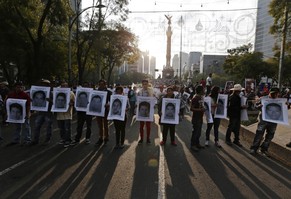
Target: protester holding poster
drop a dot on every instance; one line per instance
(168, 127)
(216, 121)
(269, 127)
(197, 107)
(18, 93)
(234, 114)
(146, 91)
(65, 118)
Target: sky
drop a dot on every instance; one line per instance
(209, 26)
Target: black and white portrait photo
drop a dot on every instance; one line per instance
(145, 108)
(117, 107)
(170, 111)
(97, 102)
(221, 109)
(207, 106)
(82, 98)
(61, 99)
(38, 95)
(16, 110)
(275, 110)
(228, 85)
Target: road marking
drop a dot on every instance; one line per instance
(162, 188)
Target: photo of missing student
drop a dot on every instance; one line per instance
(82, 98)
(16, 110)
(275, 110)
(250, 85)
(145, 108)
(228, 85)
(117, 107)
(61, 99)
(221, 109)
(97, 103)
(38, 95)
(170, 111)
(207, 106)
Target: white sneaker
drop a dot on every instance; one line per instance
(206, 143)
(217, 144)
(87, 141)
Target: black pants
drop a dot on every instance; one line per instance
(120, 131)
(166, 128)
(82, 118)
(233, 126)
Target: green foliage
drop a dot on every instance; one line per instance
(131, 77)
(242, 63)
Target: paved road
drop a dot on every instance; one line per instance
(140, 171)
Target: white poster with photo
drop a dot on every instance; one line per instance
(118, 105)
(61, 99)
(82, 98)
(221, 109)
(38, 96)
(228, 85)
(207, 106)
(275, 110)
(244, 113)
(145, 108)
(97, 102)
(16, 110)
(170, 111)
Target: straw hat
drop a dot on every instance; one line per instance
(236, 87)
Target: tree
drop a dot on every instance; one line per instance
(33, 23)
(242, 63)
(119, 45)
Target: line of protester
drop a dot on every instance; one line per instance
(49, 101)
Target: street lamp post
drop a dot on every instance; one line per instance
(71, 22)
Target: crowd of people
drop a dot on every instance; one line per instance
(191, 102)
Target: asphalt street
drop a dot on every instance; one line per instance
(139, 171)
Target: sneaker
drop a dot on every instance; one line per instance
(237, 143)
(173, 143)
(62, 142)
(253, 151)
(12, 143)
(217, 144)
(26, 143)
(66, 144)
(194, 148)
(148, 141)
(121, 146)
(206, 143)
(99, 142)
(162, 143)
(87, 141)
(266, 153)
(228, 142)
(74, 143)
(140, 141)
(288, 145)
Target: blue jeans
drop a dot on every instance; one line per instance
(196, 132)
(40, 119)
(65, 130)
(23, 129)
(216, 123)
(263, 126)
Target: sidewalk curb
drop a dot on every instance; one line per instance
(278, 152)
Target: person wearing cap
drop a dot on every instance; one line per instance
(263, 126)
(24, 128)
(234, 114)
(42, 117)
